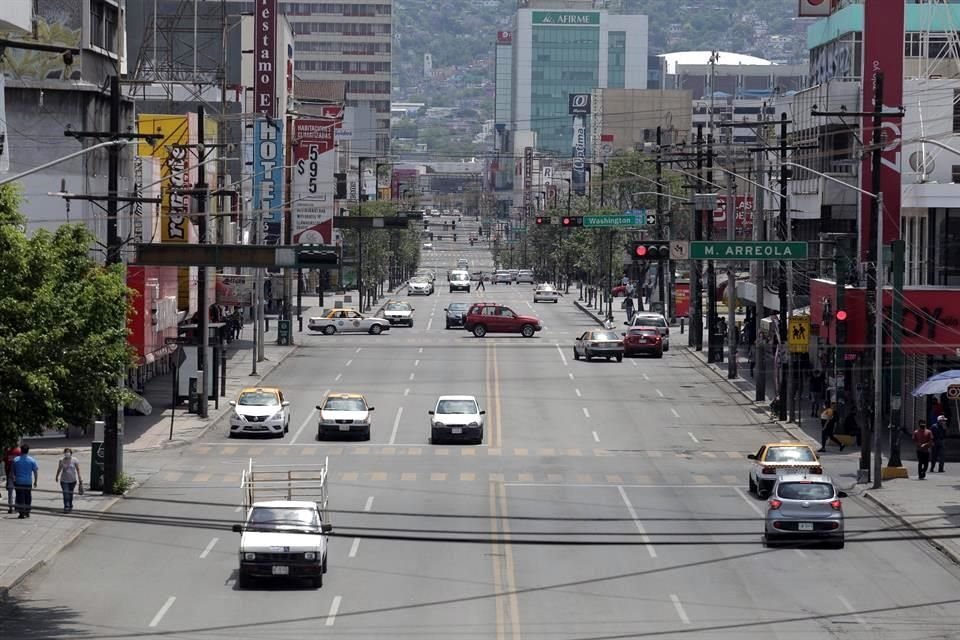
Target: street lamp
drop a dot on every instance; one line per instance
(70, 156)
(360, 229)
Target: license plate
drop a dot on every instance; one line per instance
(344, 427)
(805, 526)
(456, 430)
(279, 570)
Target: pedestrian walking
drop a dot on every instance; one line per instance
(628, 306)
(923, 439)
(937, 452)
(8, 457)
(752, 359)
(25, 476)
(817, 381)
(828, 424)
(68, 475)
(480, 284)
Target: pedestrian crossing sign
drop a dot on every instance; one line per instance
(798, 334)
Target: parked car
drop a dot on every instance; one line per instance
(486, 317)
(598, 344)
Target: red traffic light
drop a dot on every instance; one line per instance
(539, 219)
(640, 250)
(567, 221)
(841, 315)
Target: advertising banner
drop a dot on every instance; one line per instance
(174, 156)
(268, 177)
(4, 139)
(265, 54)
(527, 179)
(744, 215)
(313, 185)
(234, 290)
(578, 104)
(579, 173)
(883, 23)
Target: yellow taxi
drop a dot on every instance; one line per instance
(347, 321)
(776, 458)
(260, 411)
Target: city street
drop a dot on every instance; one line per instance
(622, 486)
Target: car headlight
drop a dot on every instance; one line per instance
(277, 416)
(327, 421)
(474, 424)
(250, 556)
(239, 416)
(310, 555)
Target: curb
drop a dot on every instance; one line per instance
(951, 555)
(69, 540)
(587, 310)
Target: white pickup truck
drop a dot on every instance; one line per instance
(284, 534)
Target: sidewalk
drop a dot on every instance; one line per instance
(26, 545)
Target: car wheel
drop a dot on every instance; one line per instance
(768, 541)
(620, 358)
(838, 543)
(411, 324)
(323, 567)
(434, 436)
(658, 354)
(576, 355)
(366, 434)
(555, 301)
(447, 326)
(479, 439)
(376, 329)
(231, 434)
(329, 331)
(244, 581)
(319, 434)
(762, 493)
(317, 582)
(751, 485)
(527, 331)
(479, 331)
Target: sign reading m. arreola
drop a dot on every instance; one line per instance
(566, 18)
(748, 250)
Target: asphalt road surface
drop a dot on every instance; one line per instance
(620, 486)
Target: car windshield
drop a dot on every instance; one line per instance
(457, 306)
(345, 404)
(805, 491)
(398, 306)
(653, 321)
(545, 287)
(459, 276)
(457, 406)
(790, 454)
(258, 399)
(604, 335)
(283, 517)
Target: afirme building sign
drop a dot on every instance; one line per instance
(747, 250)
(566, 18)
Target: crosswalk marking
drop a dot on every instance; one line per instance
(730, 479)
(700, 479)
(350, 476)
(202, 450)
(468, 452)
(171, 476)
(494, 451)
(734, 454)
(640, 478)
(378, 476)
(708, 454)
(614, 479)
(414, 451)
(229, 451)
(584, 477)
(520, 452)
(554, 477)
(388, 451)
(441, 452)
(495, 477)
(525, 477)
(546, 452)
(655, 454)
(308, 451)
(360, 451)
(281, 451)
(256, 451)
(466, 476)
(573, 452)
(438, 477)
(408, 477)
(202, 477)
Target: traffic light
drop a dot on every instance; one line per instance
(541, 220)
(316, 255)
(841, 317)
(341, 186)
(572, 221)
(651, 250)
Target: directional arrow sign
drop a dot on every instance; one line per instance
(748, 250)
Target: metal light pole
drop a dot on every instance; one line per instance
(360, 196)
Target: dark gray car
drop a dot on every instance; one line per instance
(456, 314)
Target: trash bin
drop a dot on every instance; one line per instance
(193, 396)
(96, 465)
(283, 332)
(716, 347)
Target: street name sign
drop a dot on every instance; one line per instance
(747, 250)
(629, 218)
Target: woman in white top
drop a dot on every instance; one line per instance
(68, 475)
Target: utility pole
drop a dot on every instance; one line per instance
(202, 302)
(113, 423)
(714, 351)
(661, 264)
(731, 276)
(783, 386)
(696, 287)
(759, 276)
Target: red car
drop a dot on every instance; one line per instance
(646, 340)
(486, 317)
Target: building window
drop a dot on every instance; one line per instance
(104, 19)
(955, 173)
(956, 112)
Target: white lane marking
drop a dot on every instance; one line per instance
(562, 357)
(674, 411)
(693, 437)
(369, 504)
(406, 391)
(420, 350)
(571, 376)
(337, 379)
(412, 376)
(359, 349)
(578, 393)
(334, 607)
(238, 509)
(309, 419)
(849, 607)
(750, 501)
(353, 548)
(679, 607)
(636, 521)
(396, 425)
(529, 305)
(209, 548)
(634, 363)
(659, 393)
(430, 324)
(416, 363)
(646, 377)
(596, 438)
(163, 611)
(586, 413)
(800, 553)
(349, 362)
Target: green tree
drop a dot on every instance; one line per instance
(63, 318)
(384, 249)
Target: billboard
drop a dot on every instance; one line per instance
(883, 23)
(268, 178)
(579, 172)
(815, 8)
(313, 185)
(504, 37)
(527, 179)
(265, 54)
(173, 153)
(578, 104)
(566, 18)
(744, 215)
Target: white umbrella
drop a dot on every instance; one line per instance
(938, 384)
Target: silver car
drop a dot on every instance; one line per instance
(419, 286)
(804, 507)
(525, 276)
(598, 344)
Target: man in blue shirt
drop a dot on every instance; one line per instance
(25, 475)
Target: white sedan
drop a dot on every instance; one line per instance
(420, 286)
(456, 418)
(546, 293)
(347, 321)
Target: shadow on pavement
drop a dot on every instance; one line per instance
(28, 619)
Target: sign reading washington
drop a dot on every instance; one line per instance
(747, 250)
